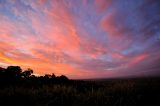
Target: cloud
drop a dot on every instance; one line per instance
(102, 5)
(81, 39)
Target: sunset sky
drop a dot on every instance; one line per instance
(81, 38)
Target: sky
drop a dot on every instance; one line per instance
(81, 38)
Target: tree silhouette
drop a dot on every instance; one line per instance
(2, 73)
(63, 77)
(47, 76)
(13, 71)
(53, 75)
(15, 75)
(27, 73)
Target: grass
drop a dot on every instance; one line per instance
(119, 92)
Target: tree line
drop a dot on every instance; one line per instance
(15, 75)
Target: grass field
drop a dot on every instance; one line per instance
(111, 92)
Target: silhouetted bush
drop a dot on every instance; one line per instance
(23, 88)
(15, 75)
(27, 73)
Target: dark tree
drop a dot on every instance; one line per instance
(27, 73)
(2, 73)
(2, 70)
(47, 76)
(53, 75)
(13, 71)
(14, 75)
(63, 78)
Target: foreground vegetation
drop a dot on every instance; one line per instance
(111, 92)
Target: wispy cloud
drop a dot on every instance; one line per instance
(81, 38)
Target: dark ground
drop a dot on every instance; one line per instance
(111, 92)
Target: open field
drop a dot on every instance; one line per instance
(113, 92)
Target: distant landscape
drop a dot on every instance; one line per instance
(22, 88)
(79, 52)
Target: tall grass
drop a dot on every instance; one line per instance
(80, 93)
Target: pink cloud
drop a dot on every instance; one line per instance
(118, 56)
(79, 39)
(102, 5)
(138, 59)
